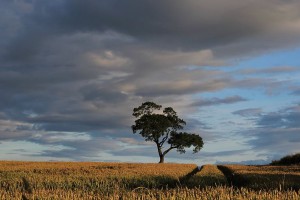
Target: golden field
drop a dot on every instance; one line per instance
(263, 177)
(95, 180)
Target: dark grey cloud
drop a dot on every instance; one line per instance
(174, 22)
(103, 94)
(167, 24)
(287, 118)
(218, 101)
(276, 132)
(15, 131)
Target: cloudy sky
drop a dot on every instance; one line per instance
(71, 72)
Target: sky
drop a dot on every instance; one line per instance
(71, 72)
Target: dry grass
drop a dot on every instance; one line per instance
(207, 193)
(263, 169)
(267, 177)
(88, 180)
(97, 168)
(209, 175)
(92, 177)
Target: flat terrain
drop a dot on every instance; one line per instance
(93, 180)
(263, 177)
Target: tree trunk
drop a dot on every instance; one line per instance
(160, 153)
(161, 158)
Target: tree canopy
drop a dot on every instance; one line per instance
(161, 127)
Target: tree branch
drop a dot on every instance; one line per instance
(169, 149)
(164, 139)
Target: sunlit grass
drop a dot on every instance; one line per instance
(209, 175)
(91, 180)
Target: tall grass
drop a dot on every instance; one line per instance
(263, 177)
(78, 180)
(206, 193)
(209, 175)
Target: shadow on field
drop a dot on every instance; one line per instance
(189, 180)
(150, 182)
(261, 180)
(232, 179)
(203, 177)
(187, 177)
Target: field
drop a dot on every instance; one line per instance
(91, 180)
(263, 177)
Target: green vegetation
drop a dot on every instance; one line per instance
(288, 160)
(90, 180)
(164, 127)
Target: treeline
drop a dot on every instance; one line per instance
(288, 160)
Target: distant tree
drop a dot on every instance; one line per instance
(288, 160)
(164, 127)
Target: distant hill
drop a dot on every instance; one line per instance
(288, 160)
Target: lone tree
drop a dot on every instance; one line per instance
(164, 127)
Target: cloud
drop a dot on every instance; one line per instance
(218, 101)
(223, 153)
(276, 132)
(250, 112)
(272, 70)
(286, 118)
(246, 162)
(75, 146)
(14, 131)
(149, 151)
(191, 25)
(180, 87)
(296, 92)
(80, 67)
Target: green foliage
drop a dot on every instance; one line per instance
(183, 139)
(146, 108)
(288, 160)
(161, 127)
